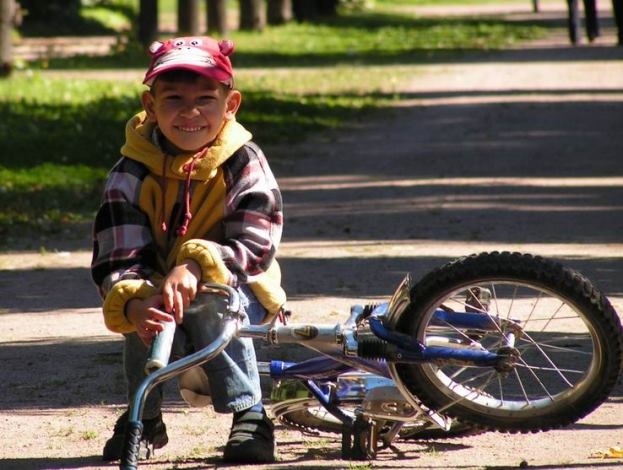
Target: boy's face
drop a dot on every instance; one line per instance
(190, 113)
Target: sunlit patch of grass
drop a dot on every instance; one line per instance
(89, 435)
(59, 136)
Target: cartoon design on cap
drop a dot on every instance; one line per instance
(205, 56)
(185, 54)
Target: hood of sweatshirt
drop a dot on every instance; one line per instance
(201, 166)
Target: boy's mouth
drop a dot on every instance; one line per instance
(189, 129)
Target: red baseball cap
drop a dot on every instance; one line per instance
(203, 55)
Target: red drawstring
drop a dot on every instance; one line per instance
(188, 168)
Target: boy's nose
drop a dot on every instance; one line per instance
(189, 109)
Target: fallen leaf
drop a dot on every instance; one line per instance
(611, 453)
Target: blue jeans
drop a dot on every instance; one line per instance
(233, 374)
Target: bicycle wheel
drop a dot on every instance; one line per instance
(567, 348)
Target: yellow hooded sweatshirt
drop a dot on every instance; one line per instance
(156, 194)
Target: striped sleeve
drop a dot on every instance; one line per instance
(253, 220)
(122, 242)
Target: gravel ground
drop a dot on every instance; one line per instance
(517, 150)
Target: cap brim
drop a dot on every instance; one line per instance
(212, 72)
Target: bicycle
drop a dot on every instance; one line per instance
(497, 341)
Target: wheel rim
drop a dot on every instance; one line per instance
(558, 354)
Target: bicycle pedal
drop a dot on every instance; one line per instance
(478, 299)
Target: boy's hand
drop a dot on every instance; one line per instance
(146, 316)
(180, 288)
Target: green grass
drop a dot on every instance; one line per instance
(393, 3)
(59, 136)
(97, 17)
(366, 37)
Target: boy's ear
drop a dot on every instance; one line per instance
(233, 103)
(147, 100)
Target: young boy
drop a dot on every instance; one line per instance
(191, 200)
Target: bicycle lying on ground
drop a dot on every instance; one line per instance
(505, 342)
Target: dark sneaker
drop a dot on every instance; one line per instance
(154, 437)
(251, 439)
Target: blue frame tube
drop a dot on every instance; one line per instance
(477, 321)
(326, 401)
(313, 368)
(410, 350)
(322, 367)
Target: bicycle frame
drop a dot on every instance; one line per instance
(342, 348)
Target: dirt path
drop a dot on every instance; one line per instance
(514, 150)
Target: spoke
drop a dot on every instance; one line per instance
(544, 370)
(548, 359)
(473, 392)
(551, 318)
(523, 390)
(537, 379)
(552, 347)
(494, 296)
(513, 297)
(458, 372)
(473, 293)
(453, 328)
(550, 369)
(501, 388)
(534, 306)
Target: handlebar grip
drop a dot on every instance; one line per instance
(161, 348)
(131, 447)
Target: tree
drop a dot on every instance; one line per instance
(188, 17)
(50, 11)
(279, 11)
(252, 15)
(8, 11)
(217, 17)
(310, 10)
(148, 21)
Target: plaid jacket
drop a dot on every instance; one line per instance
(221, 207)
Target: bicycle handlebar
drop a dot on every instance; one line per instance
(160, 350)
(134, 428)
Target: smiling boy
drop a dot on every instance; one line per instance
(191, 200)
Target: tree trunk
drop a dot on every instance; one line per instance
(252, 15)
(148, 22)
(279, 11)
(217, 17)
(310, 10)
(7, 14)
(188, 17)
(327, 7)
(304, 10)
